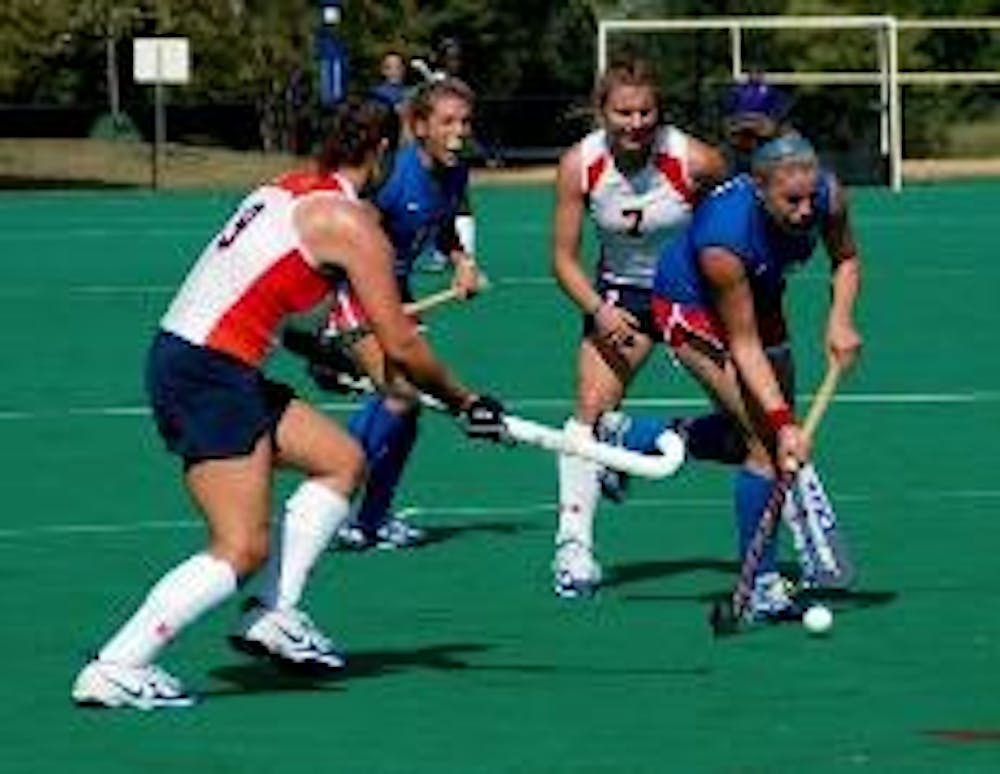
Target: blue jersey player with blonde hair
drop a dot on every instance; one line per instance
(718, 299)
(422, 203)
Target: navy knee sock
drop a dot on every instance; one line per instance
(752, 491)
(387, 438)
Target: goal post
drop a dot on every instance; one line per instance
(882, 74)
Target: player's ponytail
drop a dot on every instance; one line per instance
(356, 127)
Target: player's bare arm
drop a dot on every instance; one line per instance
(843, 341)
(346, 234)
(466, 278)
(735, 307)
(617, 325)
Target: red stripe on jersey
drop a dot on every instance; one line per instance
(303, 181)
(595, 170)
(248, 329)
(672, 170)
(346, 314)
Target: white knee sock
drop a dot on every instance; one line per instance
(179, 597)
(312, 515)
(578, 491)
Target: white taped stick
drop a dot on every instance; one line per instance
(633, 463)
(526, 431)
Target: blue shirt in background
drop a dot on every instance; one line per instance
(417, 203)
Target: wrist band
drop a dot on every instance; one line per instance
(779, 417)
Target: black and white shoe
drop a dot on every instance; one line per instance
(104, 684)
(287, 636)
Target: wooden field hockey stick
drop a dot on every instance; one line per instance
(434, 300)
(726, 618)
(317, 348)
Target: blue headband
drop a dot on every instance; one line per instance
(787, 147)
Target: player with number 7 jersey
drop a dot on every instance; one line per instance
(638, 180)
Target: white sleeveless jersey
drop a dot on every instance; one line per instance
(254, 273)
(638, 214)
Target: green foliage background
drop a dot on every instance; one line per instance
(248, 51)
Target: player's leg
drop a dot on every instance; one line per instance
(755, 479)
(274, 625)
(233, 494)
(386, 426)
(603, 373)
(215, 414)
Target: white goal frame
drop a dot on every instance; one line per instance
(887, 76)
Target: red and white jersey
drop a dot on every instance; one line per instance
(255, 272)
(636, 215)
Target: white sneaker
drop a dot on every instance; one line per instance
(772, 598)
(350, 536)
(288, 636)
(576, 573)
(396, 532)
(104, 684)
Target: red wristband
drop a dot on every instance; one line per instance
(779, 417)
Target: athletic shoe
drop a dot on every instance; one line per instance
(772, 599)
(352, 537)
(288, 636)
(610, 428)
(576, 573)
(104, 684)
(396, 532)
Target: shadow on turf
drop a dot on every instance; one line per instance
(267, 677)
(435, 535)
(624, 574)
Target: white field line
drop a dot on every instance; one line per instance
(58, 530)
(527, 280)
(874, 398)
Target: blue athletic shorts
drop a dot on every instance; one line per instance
(638, 301)
(208, 405)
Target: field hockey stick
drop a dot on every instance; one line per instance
(726, 618)
(526, 431)
(434, 300)
(317, 348)
(824, 553)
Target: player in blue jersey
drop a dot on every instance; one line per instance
(755, 112)
(423, 202)
(718, 302)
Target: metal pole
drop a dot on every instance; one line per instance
(159, 131)
(736, 51)
(895, 107)
(111, 62)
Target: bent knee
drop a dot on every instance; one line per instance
(347, 472)
(246, 552)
